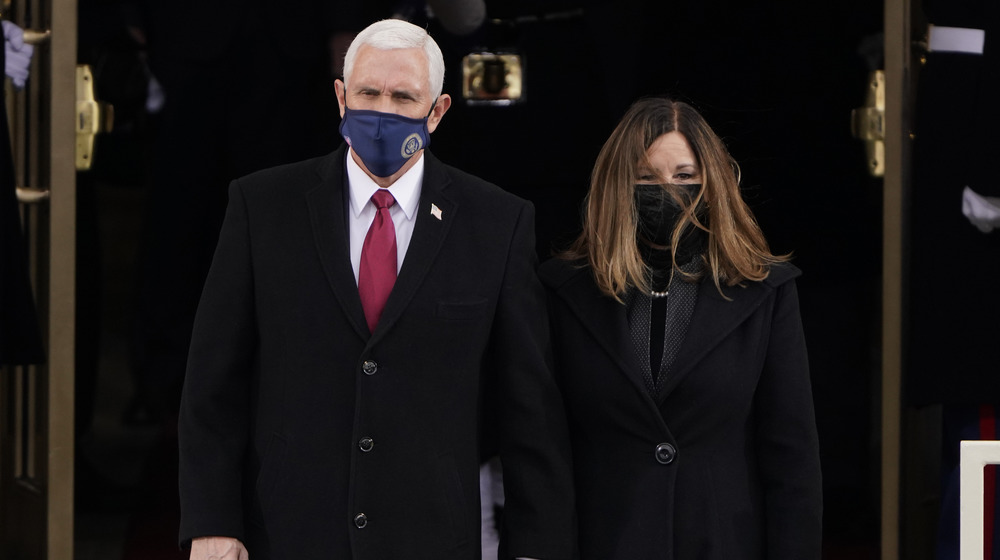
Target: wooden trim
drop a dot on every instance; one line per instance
(897, 65)
(62, 273)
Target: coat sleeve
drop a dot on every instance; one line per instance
(214, 418)
(788, 445)
(538, 520)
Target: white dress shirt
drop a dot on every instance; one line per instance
(361, 213)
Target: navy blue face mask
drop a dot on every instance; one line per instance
(384, 141)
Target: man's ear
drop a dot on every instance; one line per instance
(341, 89)
(440, 108)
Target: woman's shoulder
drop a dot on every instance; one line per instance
(780, 273)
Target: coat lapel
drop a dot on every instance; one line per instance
(713, 319)
(435, 214)
(607, 321)
(327, 215)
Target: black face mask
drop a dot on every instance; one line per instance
(659, 211)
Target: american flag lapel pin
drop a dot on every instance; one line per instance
(435, 211)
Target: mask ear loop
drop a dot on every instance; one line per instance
(432, 107)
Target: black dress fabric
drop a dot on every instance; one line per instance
(657, 326)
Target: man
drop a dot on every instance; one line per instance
(952, 358)
(322, 418)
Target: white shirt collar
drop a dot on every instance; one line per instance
(406, 189)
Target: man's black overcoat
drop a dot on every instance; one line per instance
(308, 437)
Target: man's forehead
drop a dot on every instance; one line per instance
(411, 57)
(392, 70)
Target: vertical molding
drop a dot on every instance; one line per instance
(974, 456)
(897, 65)
(62, 273)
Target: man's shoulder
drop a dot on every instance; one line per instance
(471, 186)
(299, 174)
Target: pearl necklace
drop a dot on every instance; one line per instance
(655, 295)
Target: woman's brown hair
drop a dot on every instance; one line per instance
(736, 250)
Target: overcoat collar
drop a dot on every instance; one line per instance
(714, 317)
(327, 213)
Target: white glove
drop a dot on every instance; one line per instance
(17, 54)
(155, 96)
(982, 211)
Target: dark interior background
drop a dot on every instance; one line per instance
(777, 80)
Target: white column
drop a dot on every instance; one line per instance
(975, 455)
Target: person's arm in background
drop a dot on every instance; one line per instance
(958, 38)
(214, 418)
(538, 519)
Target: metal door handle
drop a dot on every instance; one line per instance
(31, 195)
(35, 37)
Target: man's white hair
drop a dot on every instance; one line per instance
(398, 34)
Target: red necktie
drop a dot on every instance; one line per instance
(377, 272)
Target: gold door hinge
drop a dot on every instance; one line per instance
(92, 117)
(868, 123)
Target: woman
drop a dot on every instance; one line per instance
(680, 353)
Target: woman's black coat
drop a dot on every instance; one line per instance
(727, 465)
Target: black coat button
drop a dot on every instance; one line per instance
(369, 367)
(360, 521)
(366, 444)
(665, 453)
